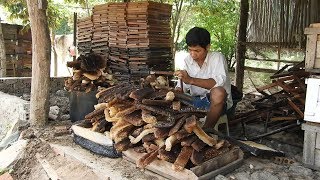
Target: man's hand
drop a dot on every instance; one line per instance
(184, 76)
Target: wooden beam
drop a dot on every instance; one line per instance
(311, 51)
(266, 86)
(242, 37)
(3, 65)
(312, 31)
(259, 69)
(284, 118)
(74, 34)
(295, 108)
(273, 60)
(274, 45)
(299, 73)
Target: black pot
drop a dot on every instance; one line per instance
(81, 104)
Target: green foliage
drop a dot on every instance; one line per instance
(63, 27)
(3, 171)
(58, 14)
(18, 9)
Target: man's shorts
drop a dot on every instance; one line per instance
(204, 103)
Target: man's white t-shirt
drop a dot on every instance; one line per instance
(215, 67)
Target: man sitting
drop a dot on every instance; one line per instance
(205, 75)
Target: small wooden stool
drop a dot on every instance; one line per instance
(223, 120)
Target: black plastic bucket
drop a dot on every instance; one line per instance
(81, 104)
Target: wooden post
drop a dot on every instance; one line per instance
(87, 6)
(3, 63)
(41, 54)
(241, 48)
(75, 34)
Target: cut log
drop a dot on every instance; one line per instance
(145, 132)
(178, 125)
(182, 158)
(170, 141)
(204, 136)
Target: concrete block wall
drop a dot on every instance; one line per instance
(22, 85)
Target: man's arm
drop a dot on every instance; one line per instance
(204, 83)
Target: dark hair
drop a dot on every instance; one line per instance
(198, 36)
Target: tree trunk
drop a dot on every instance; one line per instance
(41, 54)
(3, 64)
(175, 20)
(241, 48)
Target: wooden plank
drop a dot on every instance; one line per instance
(52, 174)
(217, 162)
(309, 147)
(317, 159)
(259, 69)
(267, 86)
(315, 25)
(317, 62)
(311, 51)
(92, 136)
(318, 48)
(10, 31)
(295, 108)
(312, 31)
(222, 164)
(318, 141)
(284, 87)
(160, 167)
(224, 170)
(313, 127)
(273, 60)
(285, 118)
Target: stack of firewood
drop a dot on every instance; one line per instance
(154, 119)
(100, 35)
(84, 35)
(117, 37)
(89, 72)
(282, 102)
(134, 36)
(149, 36)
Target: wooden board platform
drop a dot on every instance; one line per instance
(208, 170)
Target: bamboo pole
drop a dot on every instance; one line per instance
(3, 61)
(75, 34)
(286, 28)
(241, 49)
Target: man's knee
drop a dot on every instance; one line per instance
(218, 94)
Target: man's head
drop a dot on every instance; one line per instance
(198, 36)
(198, 41)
